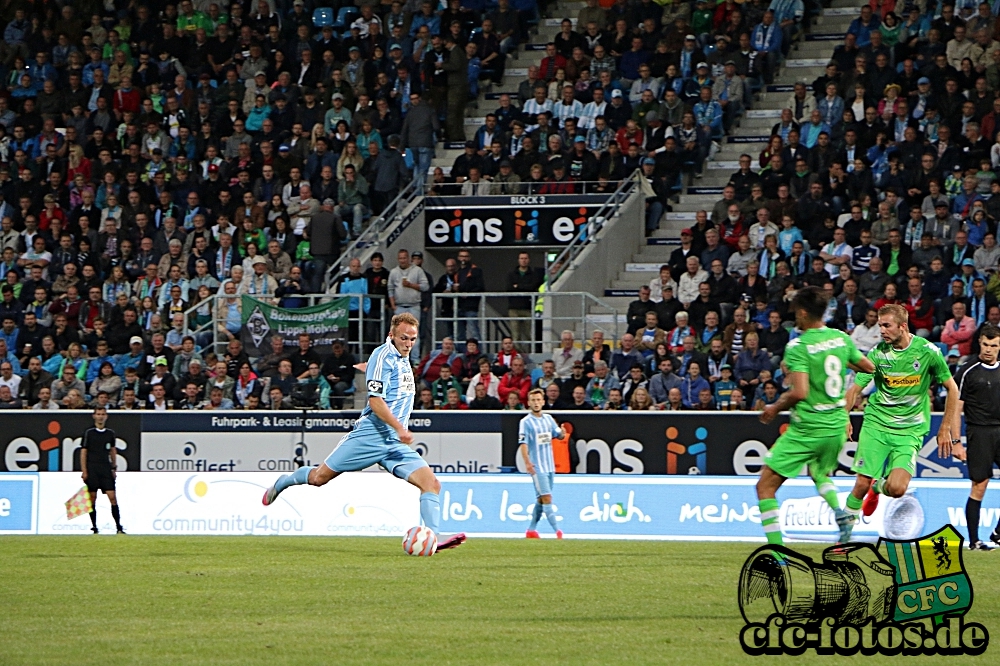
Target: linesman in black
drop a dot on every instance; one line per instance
(98, 460)
(979, 388)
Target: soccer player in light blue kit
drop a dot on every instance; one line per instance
(534, 438)
(380, 435)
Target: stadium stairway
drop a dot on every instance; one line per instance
(806, 62)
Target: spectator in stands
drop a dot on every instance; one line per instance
(514, 381)
(566, 355)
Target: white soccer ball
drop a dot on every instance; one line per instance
(420, 541)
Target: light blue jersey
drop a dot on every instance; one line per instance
(390, 377)
(373, 441)
(536, 432)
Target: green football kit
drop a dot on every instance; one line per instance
(898, 415)
(818, 424)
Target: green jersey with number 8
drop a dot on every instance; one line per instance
(823, 354)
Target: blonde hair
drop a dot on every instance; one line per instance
(634, 403)
(404, 318)
(897, 312)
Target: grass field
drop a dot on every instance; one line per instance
(207, 600)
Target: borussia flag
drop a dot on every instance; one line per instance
(79, 504)
(930, 575)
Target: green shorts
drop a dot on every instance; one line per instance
(794, 450)
(879, 452)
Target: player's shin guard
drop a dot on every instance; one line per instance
(826, 490)
(297, 478)
(550, 515)
(972, 507)
(769, 520)
(536, 516)
(430, 511)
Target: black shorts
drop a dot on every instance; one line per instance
(100, 480)
(983, 450)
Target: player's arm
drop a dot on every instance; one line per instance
(382, 411)
(523, 450)
(862, 364)
(958, 449)
(798, 391)
(950, 432)
(83, 457)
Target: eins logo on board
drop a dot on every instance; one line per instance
(463, 230)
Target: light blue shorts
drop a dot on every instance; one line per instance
(367, 446)
(543, 483)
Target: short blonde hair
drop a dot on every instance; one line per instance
(404, 318)
(897, 312)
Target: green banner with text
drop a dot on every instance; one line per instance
(324, 323)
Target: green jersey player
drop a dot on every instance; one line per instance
(898, 415)
(817, 363)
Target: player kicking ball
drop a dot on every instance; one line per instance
(898, 414)
(817, 363)
(534, 436)
(380, 434)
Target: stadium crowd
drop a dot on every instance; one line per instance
(878, 185)
(153, 155)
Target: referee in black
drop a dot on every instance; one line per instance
(979, 389)
(98, 460)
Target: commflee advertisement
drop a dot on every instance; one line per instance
(494, 505)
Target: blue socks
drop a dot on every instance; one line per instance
(536, 516)
(296, 478)
(550, 514)
(430, 511)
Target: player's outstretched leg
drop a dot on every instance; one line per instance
(536, 515)
(314, 476)
(767, 487)
(550, 514)
(430, 505)
(828, 491)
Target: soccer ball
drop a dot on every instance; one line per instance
(420, 541)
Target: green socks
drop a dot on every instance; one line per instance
(879, 486)
(853, 505)
(769, 520)
(826, 490)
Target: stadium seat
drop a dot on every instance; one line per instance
(536, 374)
(322, 17)
(344, 17)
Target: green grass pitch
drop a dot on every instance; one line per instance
(207, 600)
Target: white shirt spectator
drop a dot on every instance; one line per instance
(533, 108)
(591, 111)
(866, 337)
(562, 111)
(687, 288)
(492, 383)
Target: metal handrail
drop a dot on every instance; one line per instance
(543, 327)
(589, 231)
(528, 188)
(370, 236)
